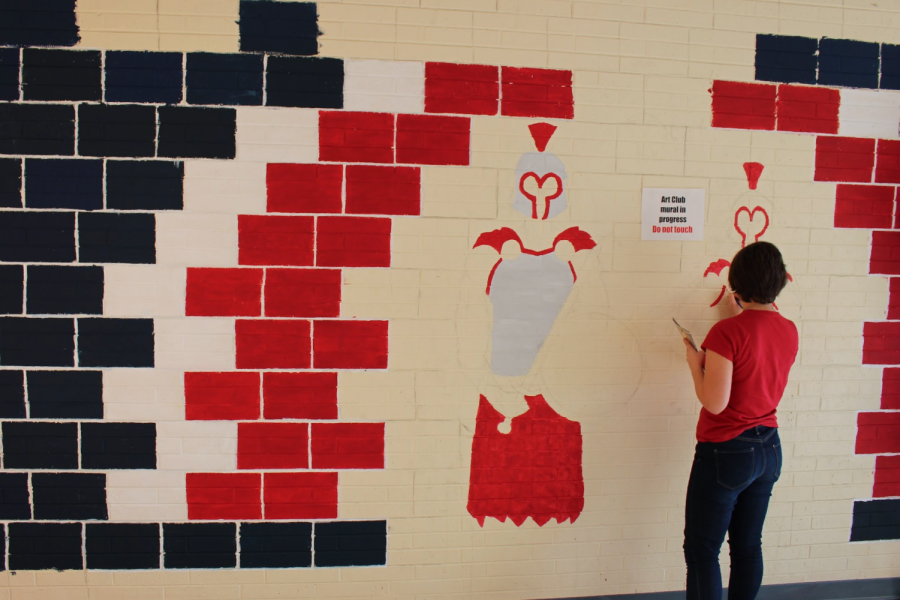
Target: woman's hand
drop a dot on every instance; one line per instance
(694, 359)
(734, 305)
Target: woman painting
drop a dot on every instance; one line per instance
(738, 455)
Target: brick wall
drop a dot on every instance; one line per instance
(245, 344)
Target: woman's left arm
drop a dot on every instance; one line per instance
(712, 385)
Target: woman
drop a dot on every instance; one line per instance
(738, 456)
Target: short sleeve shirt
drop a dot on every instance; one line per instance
(762, 345)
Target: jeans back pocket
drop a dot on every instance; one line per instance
(778, 460)
(735, 468)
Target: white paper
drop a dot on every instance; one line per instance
(672, 214)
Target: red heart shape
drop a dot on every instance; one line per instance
(540, 182)
(750, 214)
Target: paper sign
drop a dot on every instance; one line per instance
(672, 214)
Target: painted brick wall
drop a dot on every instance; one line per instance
(244, 335)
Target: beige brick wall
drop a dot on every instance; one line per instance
(642, 69)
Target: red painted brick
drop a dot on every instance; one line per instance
(887, 477)
(462, 89)
(273, 446)
(347, 445)
(844, 159)
(433, 140)
(275, 240)
(884, 258)
(303, 292)
(294, 188)
(223, 292)
(221, 396)
(881, 343)
(887, 167)
(301, 495)
(864, 206)
(374, 190)
(536, 93)
(876, 433)
(300, 395)
(893, 310)
(270, 344)
(743, 105)
(353, 242)
(807, 109)
(346, 136)
(890, 389)
(229, 496)
(350, 344)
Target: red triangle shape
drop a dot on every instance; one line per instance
(753, 171)
(541, 133)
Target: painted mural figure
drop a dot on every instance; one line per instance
(533, 469)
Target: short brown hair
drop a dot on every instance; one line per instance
(757, 273)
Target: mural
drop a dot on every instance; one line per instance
(857, 147)
(534, 468)
(96, 149)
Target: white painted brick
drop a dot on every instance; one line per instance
(196, 240)
(146, 496)
(870, 113)
(143, 291)
(136, 395)
(384, 86)
(195, 344)
(231, 187)
(272, 134)
(196, 446)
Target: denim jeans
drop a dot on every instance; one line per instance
(729, 490)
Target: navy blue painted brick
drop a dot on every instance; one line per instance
(276, 545)
(199, 545)
(848, 63)
(63, 183)
(54, 75)
(11, 182)
(231, 79)
(12, 394)
(305, 82)
(27, 342)
(279, 27)
(890, 67)
(9, 73)
(115, 342)
(69, 496)
(65, 394)
(875, 520)
(195, 132)
(117, 238)
(43, 129)
(118, 445)
(37, 236)
(14, 502)
(121, 545)
(144, 185)
(36, 546)
(12, 280)
(38, 23)
(56, 290)
(350, 543)
(786, 58)
(116, 130)
(154, 77)
(28, 445)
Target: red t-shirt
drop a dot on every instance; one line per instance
(762, 345)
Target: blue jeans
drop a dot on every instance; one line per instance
(729, 490)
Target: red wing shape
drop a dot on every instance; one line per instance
(496, 238)
(716, 267)
(580, 240)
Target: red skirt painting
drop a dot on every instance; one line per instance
(532, 471)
